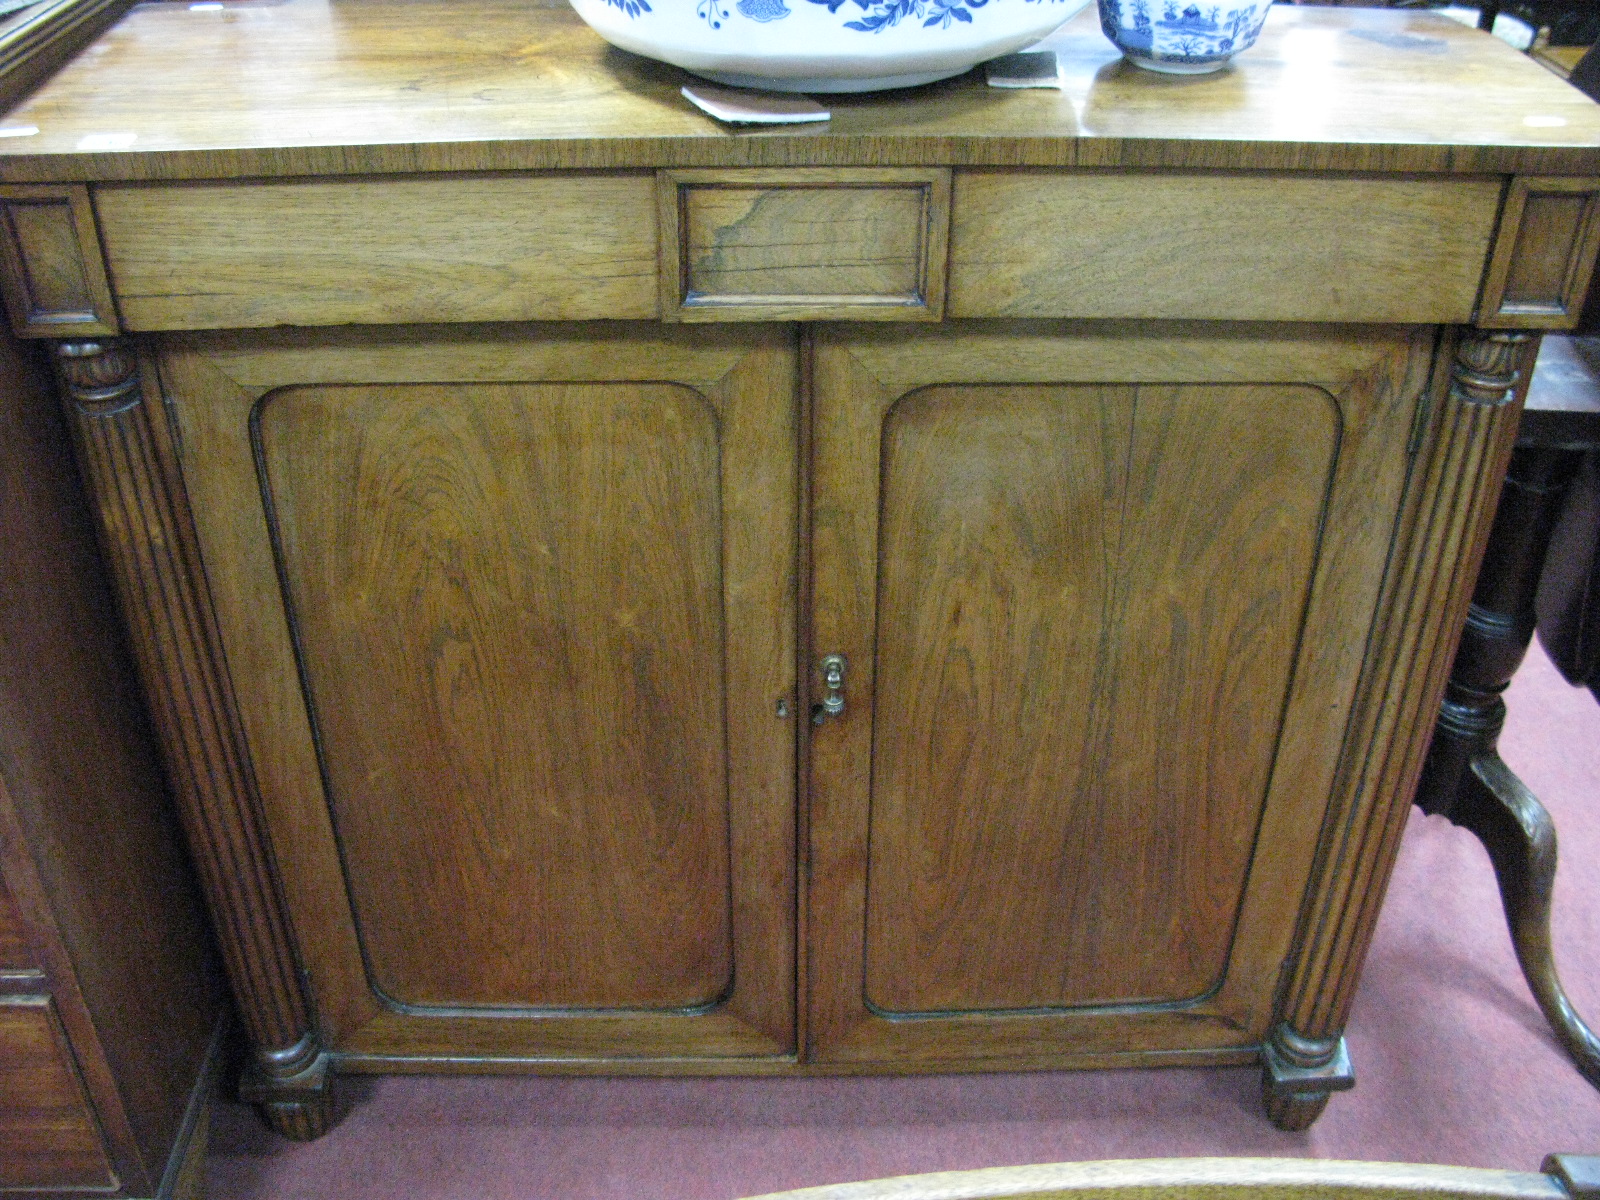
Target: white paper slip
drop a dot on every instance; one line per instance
(1028, 69)
(754, 108)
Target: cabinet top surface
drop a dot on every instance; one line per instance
(311, 87)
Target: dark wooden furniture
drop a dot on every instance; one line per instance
(108, 1003)
(109, 1000)
(962, 588)
(1464, 777)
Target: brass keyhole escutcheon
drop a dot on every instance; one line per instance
(832, 703)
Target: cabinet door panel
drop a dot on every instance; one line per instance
(1088, 603)
(1102, 591)
(509, 612)
(510, 622)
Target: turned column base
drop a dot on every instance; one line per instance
(292, 1090)
(1299, 1074)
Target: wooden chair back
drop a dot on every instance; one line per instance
(1565, 1177)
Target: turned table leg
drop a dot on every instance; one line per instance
(1464, 778)
(126, 452)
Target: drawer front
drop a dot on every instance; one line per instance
(1218, 246)
(485, 248)
(49, 1138)
(846, 244)
(852, 244)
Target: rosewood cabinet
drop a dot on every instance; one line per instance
(109, 1001)
(965, 588)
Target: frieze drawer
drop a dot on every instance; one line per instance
(465, 248)
(1217, 246)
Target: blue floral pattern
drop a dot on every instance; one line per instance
(763, 10)
(1181, 30)
(883, 14)
(875, 15)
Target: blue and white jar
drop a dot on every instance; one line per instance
(1183, 37)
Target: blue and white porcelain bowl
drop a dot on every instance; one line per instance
(824, 45)
(1183, 37)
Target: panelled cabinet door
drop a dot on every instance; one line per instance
(510, 615)
(1101, 594)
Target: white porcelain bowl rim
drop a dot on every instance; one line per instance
(819, 40)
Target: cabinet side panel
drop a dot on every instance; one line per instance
(1090, 602)
(14, 950)
(48, 1135)
(508, 606)
(118, 924)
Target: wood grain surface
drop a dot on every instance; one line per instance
(744, 243)
(1051, 244)
(811, 244)
(55, 281)
(704, 757)
(355, 87)
(48, 1136)
(1544, 255)
(1363, 388)
(530, 577)
(15, 952)
(804, 244)
(89, 846)
(496, 248)
(1440, 536)
(41, 40)
(1080, 669)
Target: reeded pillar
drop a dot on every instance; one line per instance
(128, 458)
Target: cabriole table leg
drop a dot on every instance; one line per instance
(1464, 778)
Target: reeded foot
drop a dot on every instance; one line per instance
(1299, 1074)
(293, 1090)
(1521, 840)
(300, 1120)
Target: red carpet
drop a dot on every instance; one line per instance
(1453, 1065)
